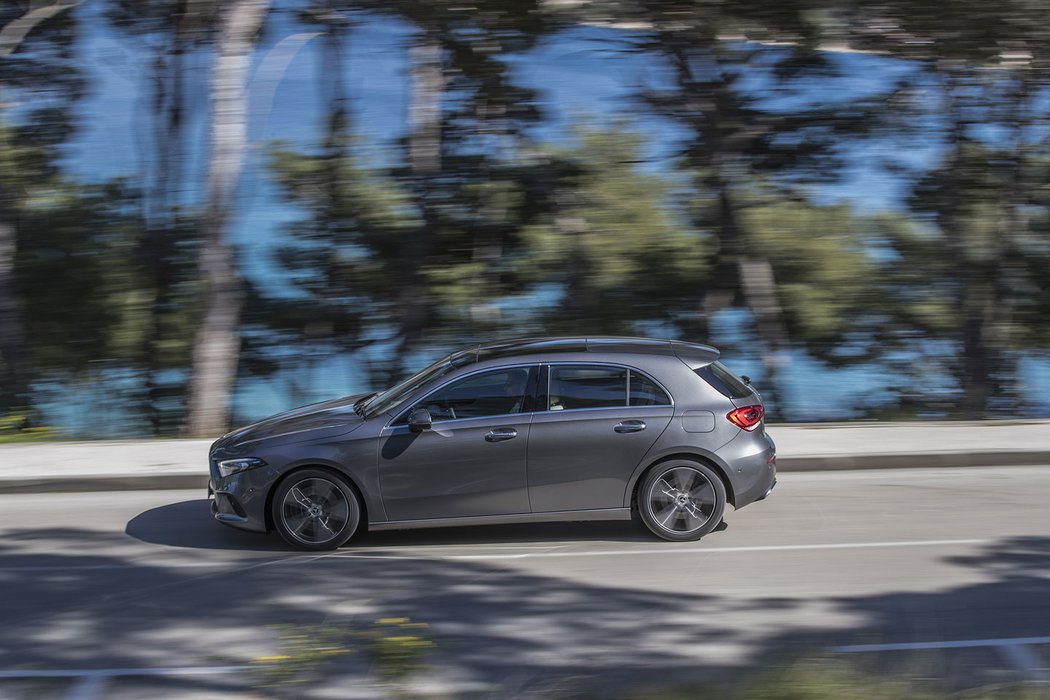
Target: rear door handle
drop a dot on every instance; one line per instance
(501, 434)
(630, 426)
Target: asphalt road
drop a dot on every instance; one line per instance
(98, 587)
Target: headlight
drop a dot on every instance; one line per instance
(232, 466)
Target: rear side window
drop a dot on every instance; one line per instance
(645, 392)
(587, 386)
(602, 386)
(724, 380)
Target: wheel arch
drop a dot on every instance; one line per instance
(720, 468)
(323, 466)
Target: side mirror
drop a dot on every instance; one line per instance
(419, 420)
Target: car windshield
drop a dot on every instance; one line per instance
(392, 398)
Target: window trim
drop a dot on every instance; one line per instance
(541, 391)
(529, 395)
(627, 397)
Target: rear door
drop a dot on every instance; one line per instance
(599, 421)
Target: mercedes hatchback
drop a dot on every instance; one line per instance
(531, 430)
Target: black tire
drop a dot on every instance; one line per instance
(681, 500)
(315, 510)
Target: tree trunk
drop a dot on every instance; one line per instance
(757, 284)
(973, 299)
(161, 220)
(218, 342)
(13, 380)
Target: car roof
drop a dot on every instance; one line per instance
(693, 354)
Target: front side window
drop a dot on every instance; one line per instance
(498, 392)
(392, 398)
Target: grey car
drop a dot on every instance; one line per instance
(529, 430)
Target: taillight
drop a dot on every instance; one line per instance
(747, 417)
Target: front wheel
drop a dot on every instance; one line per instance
(681, 500)
(316, 510)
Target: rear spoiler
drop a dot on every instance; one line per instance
(694, 355)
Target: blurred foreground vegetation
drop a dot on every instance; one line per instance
(828, 680)
(721, 202)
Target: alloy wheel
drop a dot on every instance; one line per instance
(315, 511)
(681, 500)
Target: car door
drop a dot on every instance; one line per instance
(472, 460)
(599, 422)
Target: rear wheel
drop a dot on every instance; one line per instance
(316, 510)
(681, 500)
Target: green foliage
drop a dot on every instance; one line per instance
(617, 242)
(80, 294)
(823, 272)
(397, 646)
(15, 427)
(825, 679)
(305, 651)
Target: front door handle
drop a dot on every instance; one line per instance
(630, 426)
(501, 434)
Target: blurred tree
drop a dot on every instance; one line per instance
(39, 84)
(466, 166)
(340, 255)
(79, 294)
(821, 259)
(616, 247)
(975, 274)
(737, 139)
(217, 342)
(167, 32)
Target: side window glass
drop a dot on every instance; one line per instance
(645, 392)
(587, 386)
(496, 393)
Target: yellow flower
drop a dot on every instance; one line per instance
(270, 659)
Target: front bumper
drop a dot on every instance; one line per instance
(225, 507)
(235, 502)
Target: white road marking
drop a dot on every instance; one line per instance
(1015, 650)
(668, 551)
(88, 688)
(911, 473)
(1023, 659)
(114, 672)
(956, 644)
(108, 567)
(656, 549)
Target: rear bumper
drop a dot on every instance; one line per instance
(771, 487)
(752, 461)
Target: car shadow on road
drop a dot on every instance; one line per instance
(189, 524)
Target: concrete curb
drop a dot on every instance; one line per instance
(802, 463)
(928, 460)
(105, 482)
